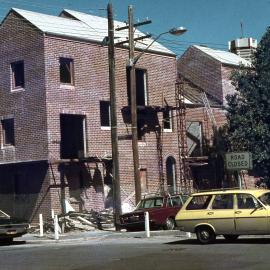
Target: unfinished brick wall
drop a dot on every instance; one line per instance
(19, 41)
(91, 86)
(37, 110)
(207, 73)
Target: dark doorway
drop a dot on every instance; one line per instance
(72, 135)
(171, 174)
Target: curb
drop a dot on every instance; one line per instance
(85, 236)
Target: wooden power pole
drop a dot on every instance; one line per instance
(131, 66)
(113, 112)
(133, 101)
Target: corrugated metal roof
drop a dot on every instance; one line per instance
(100, 24)
(57, 25)
(86, 27)
(224, 57)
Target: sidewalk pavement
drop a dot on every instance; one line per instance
(102, 234)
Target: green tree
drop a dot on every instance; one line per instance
(249, 110)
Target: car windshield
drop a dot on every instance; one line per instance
(265, 198)
(150, 203)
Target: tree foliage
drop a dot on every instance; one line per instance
(249, 110)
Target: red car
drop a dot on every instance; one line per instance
(162, 211)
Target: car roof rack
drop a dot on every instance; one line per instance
(164, 193)
(216, 189)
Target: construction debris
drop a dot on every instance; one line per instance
(83, 221)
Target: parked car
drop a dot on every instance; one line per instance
(226, 212)
(11, 227)
(162, 210)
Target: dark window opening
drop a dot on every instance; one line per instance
(17, 74)
(8, 135)
(105, 114)
(141, 87)
(171, 174)
(167, 119)
(72, 135)
(66, 71)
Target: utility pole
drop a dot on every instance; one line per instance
(113, 113)
(133, 101)
(131, 65)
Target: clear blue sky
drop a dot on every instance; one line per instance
(209, 22)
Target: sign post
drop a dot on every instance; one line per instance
(237, 161)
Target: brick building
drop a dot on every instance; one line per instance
(54, 110)
(207, 73)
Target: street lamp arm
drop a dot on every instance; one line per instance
(135, 60)
(174, 31)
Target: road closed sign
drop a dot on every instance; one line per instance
(238, 161)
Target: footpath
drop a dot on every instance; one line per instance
(102, 234)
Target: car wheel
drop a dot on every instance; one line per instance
(205, 235)
(230, 237)
(170, 224)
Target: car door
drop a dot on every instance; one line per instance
(250, 215)
(221, 214)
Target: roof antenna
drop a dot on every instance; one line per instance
(242, 29)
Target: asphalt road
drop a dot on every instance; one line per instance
(137, 253)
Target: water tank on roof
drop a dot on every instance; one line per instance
(244, 47)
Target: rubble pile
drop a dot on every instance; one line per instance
(84, 221)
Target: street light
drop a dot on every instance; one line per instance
(132, 62)
(176, 31)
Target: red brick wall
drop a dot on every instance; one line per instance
(207, 73)
(202, 70)
(37, 112)
(19, 41)
(91, 86)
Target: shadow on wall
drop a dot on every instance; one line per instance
(22, 187)
(85, 182)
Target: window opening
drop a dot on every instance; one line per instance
(17, 69)
(171, 174)
(167, 120)
(66, 71)
(105, 120)
(8, 135)
(141, 87)
(194, 138)
(72, 136)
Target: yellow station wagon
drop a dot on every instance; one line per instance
(226, 212)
